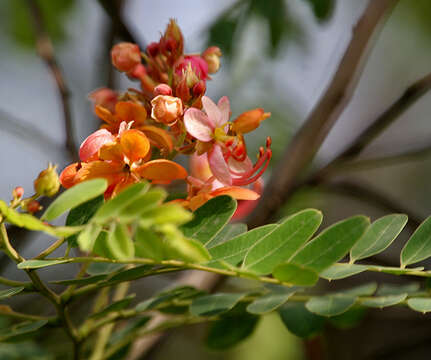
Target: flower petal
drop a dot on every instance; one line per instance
(224, 107)
(128, 111)
(236, 192)
(240, 166)
(199, 167)
(135, 144)
(111, 151)
(212, 111)
(89, 148)
(199, 125)
(161, 170)
(104, 114)
(112, 172)
(218, 165)
(159, 137)
(68, 175)
(197, 201)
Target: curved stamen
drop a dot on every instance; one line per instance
(246, 180)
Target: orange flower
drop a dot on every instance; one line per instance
(124, 111)
(123, 162)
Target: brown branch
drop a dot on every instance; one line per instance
(373, 197)
(46, 52)
(303, 147)
(413, 93)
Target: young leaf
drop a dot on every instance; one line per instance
(234, 250)
(149, 245)
(384, 301)
(295, 274)
(270, 302)
(379, 236)
(300, 321)
(210, 219)
(22, 330)
(167, 214)
(230, 330)
(229, 232)
(332, 244)
(119, 242)
(422, 305)
(330, 305)
(116, 205)
(419, 245)
(342, 270)
(115, 306)
(37, 264)
(210, 305)
(282, 243)
(75, 196)
(142, 203)
(88, 236)
(4, 294)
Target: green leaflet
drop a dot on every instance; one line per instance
(210, 219)
(332, 244)
(271, 301)
(37, 264)
(283, 242)
(330, 305)
(75, 196)
(22, 330)
(4, 294)
(210, 305)
(300, 321)
(419, 245)
(378, 236)
(295, 274)
(234, 250)
(422, 305)
(384, 301)
(229, 232)
(342, 270)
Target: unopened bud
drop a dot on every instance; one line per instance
(47, 183)
(33, 206)
(166, 109)
(18, 192)
(249, 120)
(153, 49)
(173, 38)
(104, 97)
(125, 56)
(182, 90)
(195, 65)
(162, 89)
(212, 57)
(199, 89)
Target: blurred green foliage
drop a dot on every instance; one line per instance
(16, 20)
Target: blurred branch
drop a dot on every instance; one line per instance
(114, 9)
(371, 196)
(46, 52)
(407, 99)
(305, 144)
(382, 161)
(26, 131)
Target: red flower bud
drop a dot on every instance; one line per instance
(153, 49)
(199, 89)
(162, 89)
(125, 56)
(197, 64)
(18, 192)
(33, 206)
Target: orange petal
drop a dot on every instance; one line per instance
(159, 137)
(135, 144)
(111, 151)
(236, 192)
(112, 172)
(128, 111)
(104, 114)
(68, 175)
(124, 183)
(197, 201)
(161, 170)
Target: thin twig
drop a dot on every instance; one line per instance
(303, 147)
(371, 196)
(413, 93)
(45, 50)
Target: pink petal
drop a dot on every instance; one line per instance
(240, 166)
(224, 107)
(199, 167)
(198, 124)
(212, 111)
(91, 145)
(218, 165)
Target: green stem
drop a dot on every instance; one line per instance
(50, 249)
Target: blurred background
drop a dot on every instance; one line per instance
(278, 54)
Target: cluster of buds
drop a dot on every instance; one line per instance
(144, 129)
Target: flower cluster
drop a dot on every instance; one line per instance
(144, 129)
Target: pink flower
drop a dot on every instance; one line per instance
(89, 148)
(199, 66)
(227, 156)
